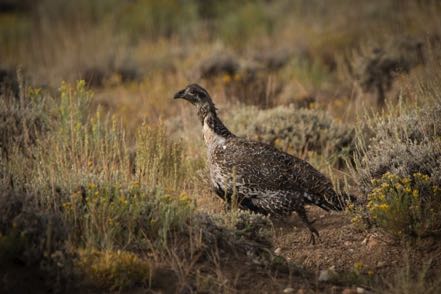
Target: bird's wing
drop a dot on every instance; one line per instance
(264, 167)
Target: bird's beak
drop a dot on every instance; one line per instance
(180, 94)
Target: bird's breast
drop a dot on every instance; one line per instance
(211, 138)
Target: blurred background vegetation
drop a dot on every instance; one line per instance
(103, 174)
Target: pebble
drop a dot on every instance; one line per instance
(347, 243)
(326, 275)
(288, 290)
(381, 264)
(372, 243)
(357, 290)
(278, 251)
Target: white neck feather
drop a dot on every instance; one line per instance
(211, 137)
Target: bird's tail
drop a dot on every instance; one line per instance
(331, 200)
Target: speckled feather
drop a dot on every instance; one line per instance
(270, 180)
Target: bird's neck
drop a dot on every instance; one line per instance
(215, 132)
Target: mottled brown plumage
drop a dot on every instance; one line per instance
(265, 180)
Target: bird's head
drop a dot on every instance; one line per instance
(199, 97)
(194, 94)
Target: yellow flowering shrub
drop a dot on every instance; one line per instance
(112, 270)
(405, 206)
(106, 216)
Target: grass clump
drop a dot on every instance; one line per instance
(112, 270)
(377, 71)
(27, 234)
(130, 217)
(413, 279)
(84, 171)
(243, 21)
(402, 144)
(397, 168)
(22, 121)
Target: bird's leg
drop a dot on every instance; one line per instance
(227, 206)
(313, 232)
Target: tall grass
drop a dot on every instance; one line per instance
(83, 169)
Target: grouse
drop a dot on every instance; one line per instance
(262, 178)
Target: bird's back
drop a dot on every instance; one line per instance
(261, 170)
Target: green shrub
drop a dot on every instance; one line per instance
(241, 22)
(31, 239)
(311, 74)
(131, 218)
(251, 86)
(295, 131)
(112, 270)
(403, 144)
(398, 169)
(406, 206)
(237, 231)
(414, 277)
(376, 72)
(83, 171)
(157, 19)
(21, 122)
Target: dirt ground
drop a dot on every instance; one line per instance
(361, 259)
(341, 244)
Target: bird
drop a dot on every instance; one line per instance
(257, 175)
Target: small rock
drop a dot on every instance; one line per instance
(372, 243)
(381, 264)
(322, 216)
(326, 275)
(351, 250)
(288, 290)
(364, 242)
(347, 243)
(360, 290)
(278, 251)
